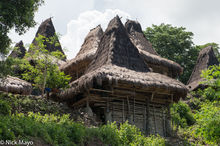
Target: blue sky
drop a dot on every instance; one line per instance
(74, 18)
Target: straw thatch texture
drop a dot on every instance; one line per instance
(205, 59)
(19, 51)
(15, 85)
(116, 61)
(137, 36)
(114, 75)
(47, 29)
(157, 63)
(76, 67)
(116, 48)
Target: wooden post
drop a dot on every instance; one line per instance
(148, 117)
(145, 120)
(152, 96)
(169, 130)
(123, 114)
(107, 105)
(134, 111)
(155, 125)
(128, 106)
(164, 122)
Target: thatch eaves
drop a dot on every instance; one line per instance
(205, 59)
(15, 85)
(85, 55)
(115, 75)
(117, 61)
(19, 51)
(147, 51)
(47, 29)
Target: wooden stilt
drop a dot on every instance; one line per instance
(164, 122)
(123, 114)
(145, 120)
(148, 117)
(134, 111)
(155, 125)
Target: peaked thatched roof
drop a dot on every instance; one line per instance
(86, 53)
(137, 36)
(117, 60)
(146, 50)
(47, 29)
(19, 51)
(15, 85)
(205, 59)
(116, 48)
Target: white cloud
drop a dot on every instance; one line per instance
(77, 29)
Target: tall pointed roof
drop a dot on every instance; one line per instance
(147, 51)
(86, 53)
(205, 59)
(116, 48)
(47, 29)
(91, 42)
(19, 51)
(117, 61)
(137, 36)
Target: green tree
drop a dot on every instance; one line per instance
(17, 14)
(40, 66)
(174, 43)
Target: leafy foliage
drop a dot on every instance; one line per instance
(174, 43)
(55, 127)
(40, 66)
(206, 110)
(127, 134)
(212, 79)
(60, 130)
(181, 114)
(18, 14)
(5, 108)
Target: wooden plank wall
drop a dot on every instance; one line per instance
(148, 116)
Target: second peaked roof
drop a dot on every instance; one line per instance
(87, 50)
(47, 29)
(205, 59)
(146, 50)
(19, 51)
(117, 60)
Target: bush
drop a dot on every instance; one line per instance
(208, 122)
(5, 108)
(181, 114)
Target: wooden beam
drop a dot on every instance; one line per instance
(80, 102)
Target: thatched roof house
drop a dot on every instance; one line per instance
(19, 51)
(15, 85)
(205, 59)
(47, 29)
(119, 86)
(77, 66)
(154, 61)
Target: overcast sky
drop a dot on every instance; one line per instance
(74, 18)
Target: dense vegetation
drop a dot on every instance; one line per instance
(175, 43)
(198, 120)
(18, 121)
